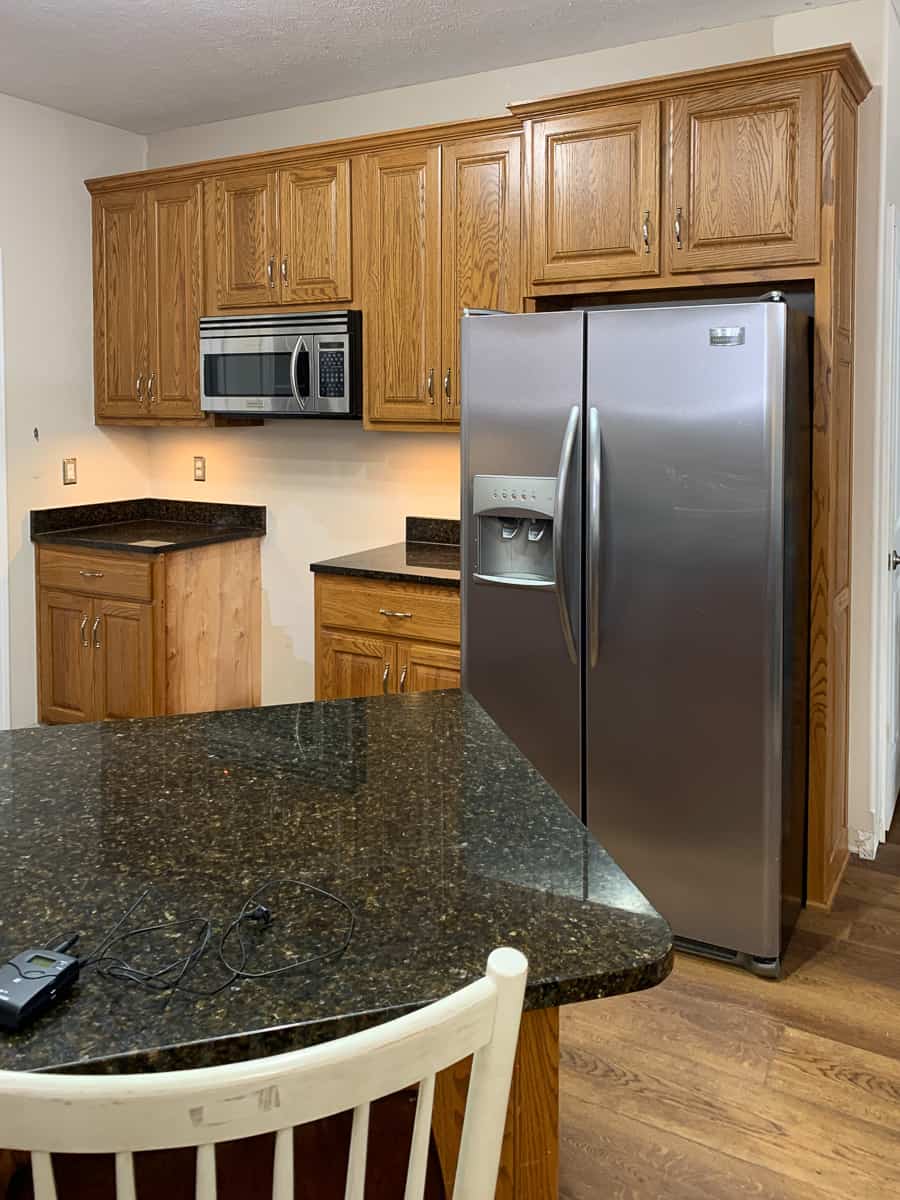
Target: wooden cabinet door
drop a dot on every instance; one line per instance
(65, 660)
(314, 222)
(481, 260)
(744, 181)
(351, 664)
(174, 278)
(595, 194)
(120, 288)
(402, 326)
(122, 640)
(423, 667)
(246, 239)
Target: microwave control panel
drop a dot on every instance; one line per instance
(332, 370)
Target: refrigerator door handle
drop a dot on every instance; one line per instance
(595, 452)
(559, 520)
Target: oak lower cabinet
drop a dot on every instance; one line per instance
(360, 649)
(127, 635)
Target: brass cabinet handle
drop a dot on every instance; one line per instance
(384, 678)
(645, 231)
(284, 269)
(429, 386)
(447, 384)
(138, 384)
(150, 395)
(678, 242)
(402, 679)
(95, 633)
(390, 612)
(91, 574)
(84, 621)
(270, 272)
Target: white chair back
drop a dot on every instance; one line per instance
(125, 1114)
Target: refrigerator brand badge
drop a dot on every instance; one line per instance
(727, 335)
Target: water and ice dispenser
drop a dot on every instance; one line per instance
(514, 529)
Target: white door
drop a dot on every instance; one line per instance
(890, 560)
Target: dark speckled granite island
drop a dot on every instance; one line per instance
(415, 809)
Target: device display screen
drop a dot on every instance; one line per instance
(41, 960)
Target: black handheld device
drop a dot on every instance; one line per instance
(31, 982)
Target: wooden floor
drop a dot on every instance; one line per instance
(720, 1086)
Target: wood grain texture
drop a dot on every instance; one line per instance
(402, 317)
(213, 627)
(175, 289)
(594, 176)
(744, 174)
(122, 653)
(315, 264)
(94, 573)
(354, 604)
(120, 285)
(717, 1084)
(481, 253)
(529, 1163)
(245, 239)
(354, 664)
(65, 664)
(425, 667)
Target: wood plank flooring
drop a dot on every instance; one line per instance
(721, 1086)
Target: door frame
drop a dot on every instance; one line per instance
(881, 802)
(5, 685)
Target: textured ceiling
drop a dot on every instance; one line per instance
(149, 65)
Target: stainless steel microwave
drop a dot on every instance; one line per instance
(282, 365)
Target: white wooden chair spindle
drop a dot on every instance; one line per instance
(125, 1114)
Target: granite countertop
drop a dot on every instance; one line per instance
(416, 810)
(147, 526)
(429, 555)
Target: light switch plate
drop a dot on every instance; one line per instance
(199, 468)
(70, 470)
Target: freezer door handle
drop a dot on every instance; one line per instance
(595, 454)
(559, 532)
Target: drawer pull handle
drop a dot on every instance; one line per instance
(389, 612)
(91, 574)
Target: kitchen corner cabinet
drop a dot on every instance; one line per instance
(443, 228)
(129, 635)
(376, 638)
(281, 237)
(147, 289)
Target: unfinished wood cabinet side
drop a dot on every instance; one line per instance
(213, 627)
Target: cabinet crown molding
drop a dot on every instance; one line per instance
(841, 58)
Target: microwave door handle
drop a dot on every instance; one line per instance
(559, 530)
(295, 387)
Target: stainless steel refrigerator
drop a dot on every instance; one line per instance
(635, 584)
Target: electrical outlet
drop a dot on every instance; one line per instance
(199, 468)
(70, 470)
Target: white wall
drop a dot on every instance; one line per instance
(45, 236)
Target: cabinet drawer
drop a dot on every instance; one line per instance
(97, 574)
(404, 610)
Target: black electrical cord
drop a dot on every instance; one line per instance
(170, 977)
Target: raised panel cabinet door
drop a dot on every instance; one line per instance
(121, 636)
(314, 220)
(423, 667)
(744, 178)
(175, 277)
(402, 326)
(595, 194)
(246, 239)
(120, 288)
(352, 664)
(65, 663)
(481, 260)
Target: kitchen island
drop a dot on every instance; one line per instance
(416, 811)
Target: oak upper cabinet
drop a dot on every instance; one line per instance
(174, 221)
(402, 325)
(283, 237)
(314, 221)
(246, 238)
(481, 251)
(744, 177)
(595, 194)
(120, 297)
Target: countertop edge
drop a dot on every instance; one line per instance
(83, 541)
(420, 576)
